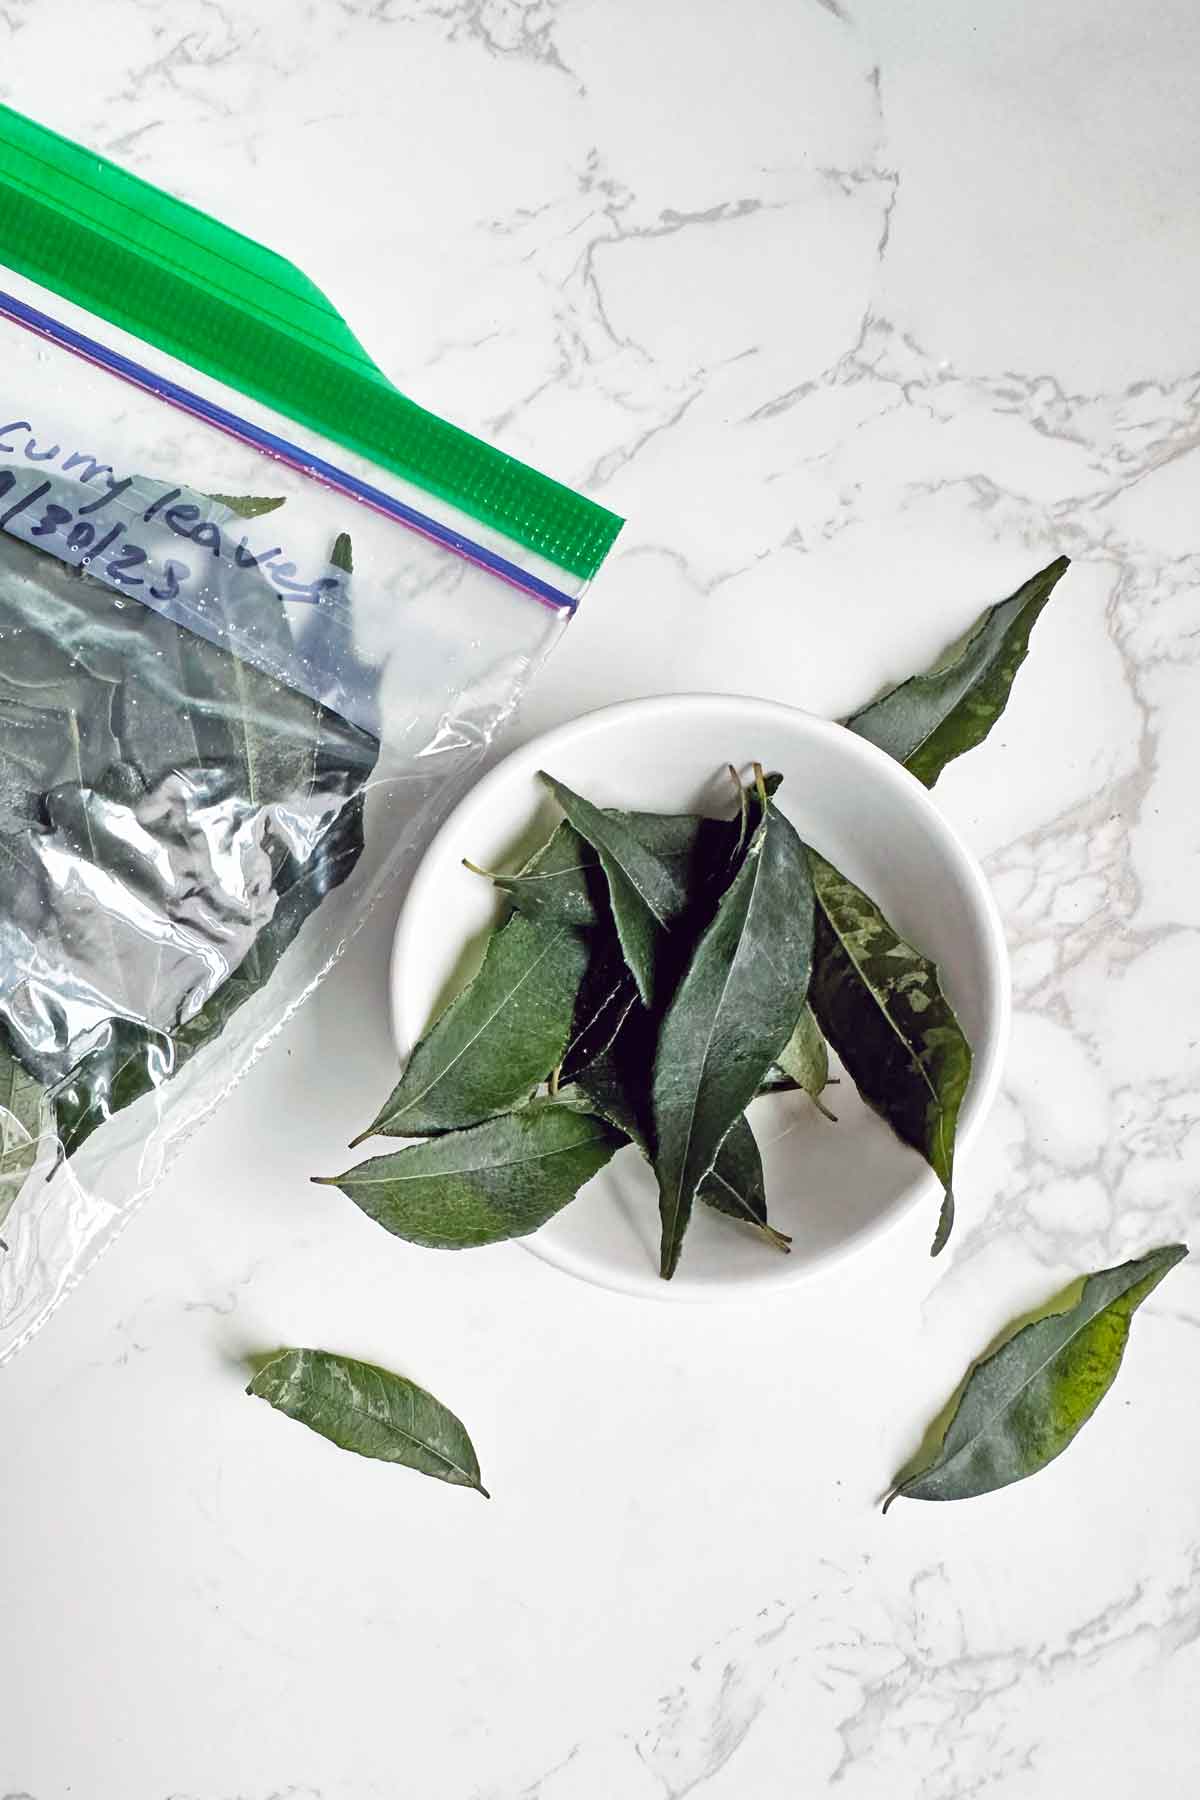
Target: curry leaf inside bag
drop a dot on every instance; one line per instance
(170, 813)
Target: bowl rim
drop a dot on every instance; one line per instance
(524, 760)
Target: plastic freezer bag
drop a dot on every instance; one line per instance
(260, 617)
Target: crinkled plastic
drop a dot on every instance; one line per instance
(244, 668)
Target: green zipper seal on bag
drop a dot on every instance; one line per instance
(176, 278)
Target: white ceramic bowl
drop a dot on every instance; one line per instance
(833, 1187)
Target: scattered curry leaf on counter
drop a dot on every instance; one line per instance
(931, 718)
(369, 1410)
(1022, 1405)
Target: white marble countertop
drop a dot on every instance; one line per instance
(860, 312)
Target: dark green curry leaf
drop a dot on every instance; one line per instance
(158, 730)
(616, 1086)
(735, 1185)
(369, 1410)
(246, 506)
(1022, 1405)
(644, 891)
(562, 884)
(930, 719)
(607, 995)
(126, 1061)
(498, 1180)
(130, 1060)
(731, 1015)
(879, 1003)
(300, 889)
(497, 1040)
(244, 718)
(564, 880)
